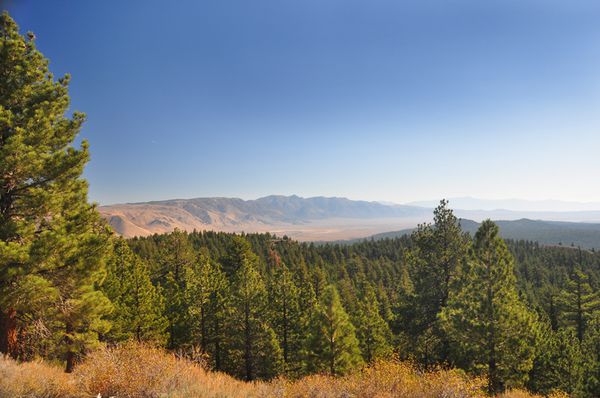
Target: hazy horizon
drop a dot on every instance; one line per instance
(377, 101)
(459, 203)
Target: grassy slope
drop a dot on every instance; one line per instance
(141, 371)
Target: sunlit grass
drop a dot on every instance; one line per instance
(140, 371)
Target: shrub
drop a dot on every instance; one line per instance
(142, 371)
(388, 379)
(35, 380)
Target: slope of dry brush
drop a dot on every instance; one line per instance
(134, 371)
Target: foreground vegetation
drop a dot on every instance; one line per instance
(510, 315)
(137, 371)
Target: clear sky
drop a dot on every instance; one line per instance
(378, 100)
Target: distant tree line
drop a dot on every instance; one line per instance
(258, 306)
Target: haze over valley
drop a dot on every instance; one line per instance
(336, 219)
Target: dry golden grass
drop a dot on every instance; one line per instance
(525, 394)
(139, 371)
(387, 380)
(35, 380)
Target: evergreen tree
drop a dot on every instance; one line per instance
(579, 302)
(385, 304)
(138, 305)
(372, 331)
(238, 251)
(288, 319)
(202, 281)
(490, 327)
(439, 250)
(591, 347)
(254, 350)
(558, 363)
(319, 281)
(83, 312)
(551, 302)
(219, 311)
(333, 346)
(176, 257)
(52, 241)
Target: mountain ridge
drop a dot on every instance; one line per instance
(550, 233)
(236, 215)
(314, 218)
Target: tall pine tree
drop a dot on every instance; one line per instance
(491, 329)
(373, 332)
(52, 242)
(591, 348)
(218, 314)
(202, 281)
(558, 363)
(176, 257)
(439, 250)
(332, 345)
(138, 305)
(288, 318)
(578, 301)
(254, 350)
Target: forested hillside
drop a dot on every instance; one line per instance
(551, 233)
(257, 306)
(523, 314)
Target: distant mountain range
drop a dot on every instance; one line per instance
(232, 214)
(586, 235)
(330, 218)
(468, 203)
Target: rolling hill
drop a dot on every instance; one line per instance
(586, 235)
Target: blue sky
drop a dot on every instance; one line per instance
(377, 100)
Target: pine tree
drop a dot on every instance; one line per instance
(138, 305)
(237, 252)
(83, 313)
(176, 257)
(52, 241)
(219, 311)
(439, 250)
(254, 350)
(319, 277)
(579, 302)
(551, 302)
(490, 328)
(591, 347)
(202, 281)
(558, 363)
(287, 318)
(373, 332)
(332, 345)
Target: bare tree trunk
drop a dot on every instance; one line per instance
(493, 382)
(248, 345)
(9, 342)
(285, 332)
(203, 343)
(332, 348)
(70, 356)
(217, 328)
